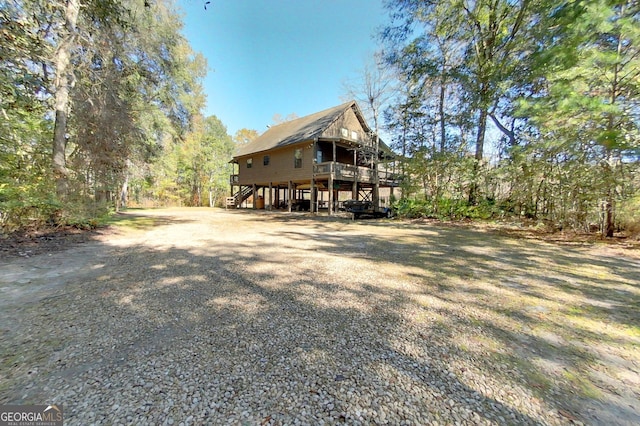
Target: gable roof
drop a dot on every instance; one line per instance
(300, 129)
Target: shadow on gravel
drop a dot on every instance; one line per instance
(250, 326)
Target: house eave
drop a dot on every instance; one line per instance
(274, 149)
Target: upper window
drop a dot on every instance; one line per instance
(249, 163)
(265, 160)
(297, 158)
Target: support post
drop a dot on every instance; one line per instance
(289, 195)
(356, 175)
(312, 186)
(270, 196)
(376, 176)
(331, 193)
(312, 196)
(254, 195)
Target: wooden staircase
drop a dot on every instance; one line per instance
(242, 194)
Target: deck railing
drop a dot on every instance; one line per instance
(352, 173)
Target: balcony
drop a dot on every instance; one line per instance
(348, 172)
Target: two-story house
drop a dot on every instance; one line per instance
(310, 162)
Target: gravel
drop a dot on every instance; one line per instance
(216, 317)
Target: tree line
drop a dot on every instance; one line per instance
(519, 108)
(496, 108)
(100, 105)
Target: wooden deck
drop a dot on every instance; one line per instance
(348, 172)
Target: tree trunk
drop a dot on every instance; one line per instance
(609, 211)
(62, 61)
(607, 229)
(443, 131)
(482, 126)
(124, 193)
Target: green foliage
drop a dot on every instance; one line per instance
(412, 208)
(194, 172)
(26, 207)
(445, 209)
(136, 91)
(629, 216)
(561, 83)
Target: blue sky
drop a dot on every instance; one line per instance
(271, 57)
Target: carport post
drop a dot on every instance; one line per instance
(255, 196)
(312, 196)
(331, 193)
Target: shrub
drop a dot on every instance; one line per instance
(445, 209)
(629, 216)
(412, 208)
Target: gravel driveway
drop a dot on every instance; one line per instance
(206, 316)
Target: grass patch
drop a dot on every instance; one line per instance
(582, 384)
(535, 380)
(131, 221)
(631, 331)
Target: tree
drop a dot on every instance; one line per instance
(373, 90)
(491, 35)
(61, 64)
(279, 119)
(559, 82)
(244, 136)
(25, 131)
(137, 79)
(109, 82)
(591, 91)
(199, 163)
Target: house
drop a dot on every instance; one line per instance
(313, 163)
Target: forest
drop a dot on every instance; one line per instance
(556, 84)
(522, 110)
(101, 104)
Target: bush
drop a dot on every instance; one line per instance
(445, 209)
(20, 209)
(412, 209)
(24, 208)
(629, 216)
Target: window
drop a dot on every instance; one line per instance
(249, 163)
(297, 158)
(345, 132)
(354, 135)
(265, 160)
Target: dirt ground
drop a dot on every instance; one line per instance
(554, 321)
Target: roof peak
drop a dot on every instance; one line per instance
(344, 106)
(300, 129)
